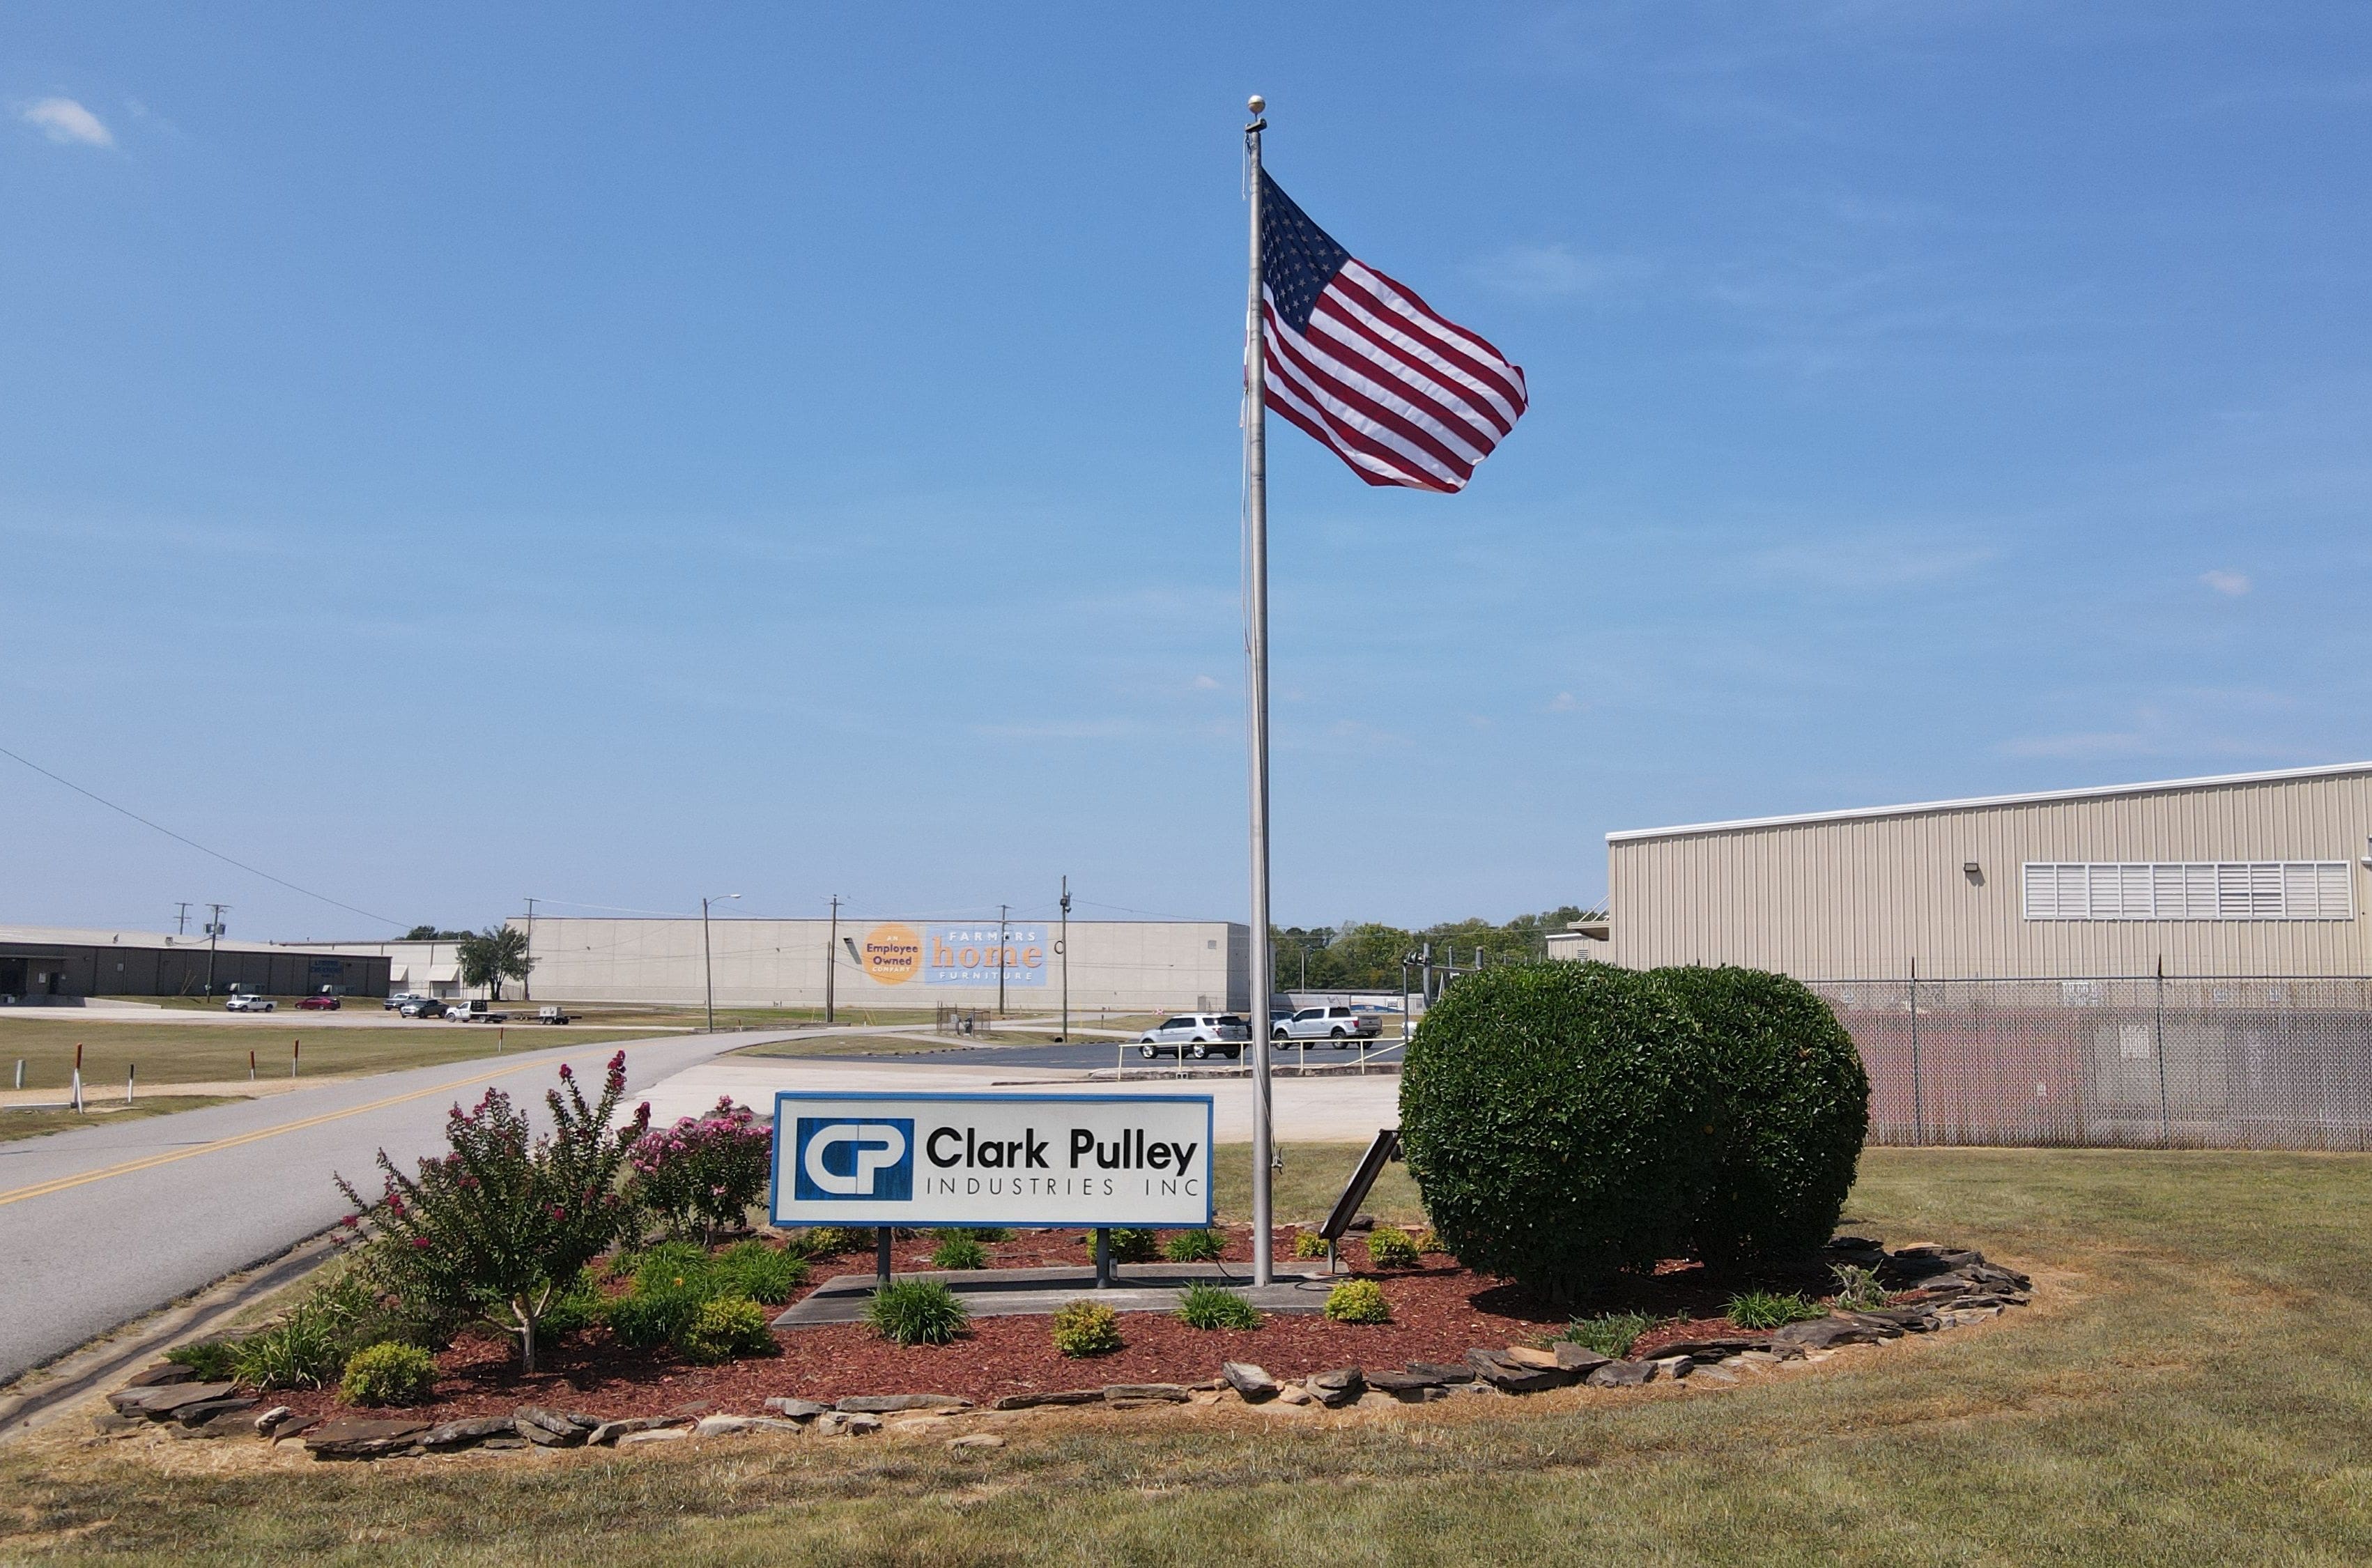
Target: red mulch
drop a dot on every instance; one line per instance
(1439, 1311)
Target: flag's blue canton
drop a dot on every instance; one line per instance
(1297, 258)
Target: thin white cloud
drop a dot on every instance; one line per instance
(1204, 683)
(63, 121)
(2231, 585)
(1565, 702)
(1554, 272)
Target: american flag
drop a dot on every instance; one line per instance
(1362, 364)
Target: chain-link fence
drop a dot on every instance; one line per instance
(2257, 1062)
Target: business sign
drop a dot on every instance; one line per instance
(916, 1159)
(946, 954)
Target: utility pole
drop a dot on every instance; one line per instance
(707, 964)
(1063, 947)
(831, 959)
(1001, 910)
(181, 918)
(526, 985)
(214, 935)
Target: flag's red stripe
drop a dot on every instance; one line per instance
(1492, 375)
(1357, 447)
(1476, 342)
(1326, 439)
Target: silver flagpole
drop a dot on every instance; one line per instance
(1256, 647)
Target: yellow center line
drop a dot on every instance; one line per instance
(43, 1188)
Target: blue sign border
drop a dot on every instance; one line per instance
(782, 1096)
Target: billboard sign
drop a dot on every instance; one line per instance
(946, 953)
(921, 1159)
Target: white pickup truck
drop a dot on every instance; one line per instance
(1336, 1022)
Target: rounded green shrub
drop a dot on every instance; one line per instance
(1129, 1245)
(1194, 1247)
(726, 1327)
(1216, 1306)
(388, 1374)
(957, 1250)
(1551, 1113)
(767, 1275)
(1359, 1301)
(1789, 1109)
(1390, 1246)
(829, 1240)
(1087, 1328)
(1309, 1244)
(916, 1312)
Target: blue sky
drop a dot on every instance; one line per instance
(614, 454)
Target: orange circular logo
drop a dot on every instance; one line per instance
(893, 953)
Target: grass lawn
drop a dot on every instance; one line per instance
(210, 1053)
(849, 1045)
(16, 1123)
(2190, 1387)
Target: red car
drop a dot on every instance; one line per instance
(321, 1005)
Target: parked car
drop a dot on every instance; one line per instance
(1196, 1035)
(396, 1000)
(322, 1004)
(1335, 1023)
(550, 1015)
(422, 1007)
(477, 1010)
(247, 1002)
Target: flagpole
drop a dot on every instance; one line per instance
(1256, 650)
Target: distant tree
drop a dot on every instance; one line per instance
(432, 934)
(493, 955)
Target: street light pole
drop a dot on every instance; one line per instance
(1001, 910)
(526, 985)
(707, 963)
(1063, 947)
(831, 959)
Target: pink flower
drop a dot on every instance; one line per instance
(420, 1242)
(351, 1220)
(564, 1073)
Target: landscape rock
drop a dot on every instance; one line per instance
(1337, 1388)
(1132, 1394)
(269, 1419)
(200, 1412)
(886, 1404)
(362, 1439)
(1579, 1359)
(1252, 1382)
(1361, 1222)
(1908, 1319)
(1713, 1349)
(655, 1435)
(1515, 1377)
(1673, 1366)
(157, 1404)
(977, 1440)
(796, 1410)
(1048, 1397)
(549, 1429)
(1445, 1374)
(611, 1432)
(846, 1423)
(776, 1423)
(1295, 1394)
(223, 1424)
(1710, 1374)
(1532, 1355)
(161, 1374)
(720, 1427)
(1620, 1375)
(1826, 1333)
(1407, 1388)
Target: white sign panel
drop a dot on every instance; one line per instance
(912, 1159)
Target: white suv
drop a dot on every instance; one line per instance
(1196, 1035)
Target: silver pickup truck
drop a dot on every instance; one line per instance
(1337, 1023)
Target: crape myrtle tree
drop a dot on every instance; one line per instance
(493, 955)
(502, 1225)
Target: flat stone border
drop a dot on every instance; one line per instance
(1017, 1293)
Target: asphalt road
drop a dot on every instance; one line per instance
(101, 1226)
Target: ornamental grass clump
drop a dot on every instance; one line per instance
(1087, 1328)
(703, 1174)
(1194, 1247)
(1762, 1310)
(1214, 1307)
(1389, 1247)
(388, 1374)
(957, 1250)
(1858, 1289)
(1610, 1333)
(916, 1312)
(504, 1225)
(1359, 1301)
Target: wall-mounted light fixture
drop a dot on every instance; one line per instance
(1973, 872)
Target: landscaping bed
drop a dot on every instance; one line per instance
(1456, 1329)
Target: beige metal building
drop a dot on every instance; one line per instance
(905, 964)
(2252, 874)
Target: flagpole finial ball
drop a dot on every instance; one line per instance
(1258, 105)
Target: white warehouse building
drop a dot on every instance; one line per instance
(906, 964)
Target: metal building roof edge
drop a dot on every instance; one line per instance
(2095, 792)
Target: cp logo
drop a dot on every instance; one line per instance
(855, 1160)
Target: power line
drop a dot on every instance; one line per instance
(193, 844)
